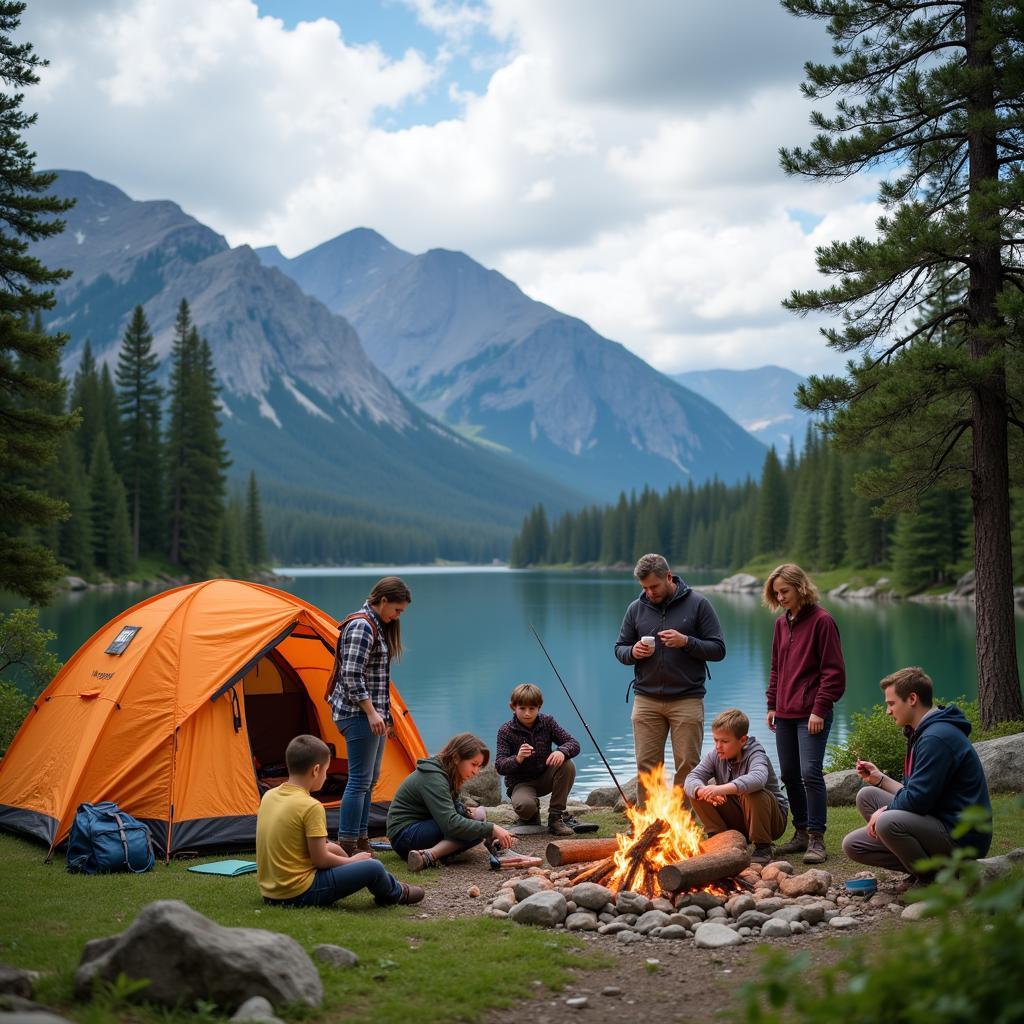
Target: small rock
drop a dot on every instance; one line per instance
(772, 871)
(615, 928)
(914, 912)
(812, 883)
(712, 935)
(531, 886)
(16, 982)
(652, 919)
(881, 899)
(259, 1009)
(503, 903)
(751, 919)
(581, 921)
(577, 1002)
(775, 928)
(606, 918)
(688, 922)
(662, 904)
(632, 903)
(699, 913)
(717, 913)
(473, 891)
(789, 914)
(674, 931)
(740, 904)
(812, 913)
(770, 905)
(333, 956)
(611, 990)
(628, 936)
(496, 913)
(591, 896)
(705, 900)
(842, 923)
(542, 908)
(630, 919)
(570, 906)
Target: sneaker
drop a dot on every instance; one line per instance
(816, 853)
(411, 893)
(557, 826)
(796, 845)
(762, 853)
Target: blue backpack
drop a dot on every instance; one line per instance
(104, 839)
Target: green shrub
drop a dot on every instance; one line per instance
(963, 969)
(875, 737)
(14, 706)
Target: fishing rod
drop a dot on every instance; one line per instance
(625, 799)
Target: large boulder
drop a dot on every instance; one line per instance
(810, 883)
(1003, 761)
(603, 796)
(842, 788)
(630, 790)
(485, 789)
(187, 957)
(544, 908)
(996, 867)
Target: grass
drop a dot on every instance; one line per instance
(826, 580)
(409, 969)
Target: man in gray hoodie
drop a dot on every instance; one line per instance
(735, 787)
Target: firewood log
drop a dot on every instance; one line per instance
(575, 851)
(722, 856)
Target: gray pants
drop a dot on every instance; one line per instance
(903, 837)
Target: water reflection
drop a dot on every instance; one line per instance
(468, 644)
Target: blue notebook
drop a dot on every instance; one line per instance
(225, 867)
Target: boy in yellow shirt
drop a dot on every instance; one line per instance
(295, 864)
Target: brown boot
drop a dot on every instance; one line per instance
(557, 827)
(796, 845)
(363, 845)
(815, 849)
(411, 893)
(350, 846)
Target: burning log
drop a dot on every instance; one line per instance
(722, 856)
(575, 851)
(594, 872)
(638, 851)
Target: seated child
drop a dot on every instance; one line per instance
(531, 767)
(426, 820)
(295, 864)
(734, 787)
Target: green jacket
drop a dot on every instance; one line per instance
(426, 794)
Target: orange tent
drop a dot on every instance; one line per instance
(179, 710)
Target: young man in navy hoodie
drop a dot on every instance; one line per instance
(942, 775)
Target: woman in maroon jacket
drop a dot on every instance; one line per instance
(807, 678)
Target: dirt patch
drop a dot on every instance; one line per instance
(660, 980)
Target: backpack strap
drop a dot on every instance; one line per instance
(124, 843)
(336, 673)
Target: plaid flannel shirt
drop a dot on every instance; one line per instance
(364, 671)
(545, 736)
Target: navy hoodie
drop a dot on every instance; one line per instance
(944, 774)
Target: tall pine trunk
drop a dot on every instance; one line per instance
(996, 645)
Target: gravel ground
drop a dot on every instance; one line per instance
(661, 980)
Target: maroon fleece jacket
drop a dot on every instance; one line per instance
(808, 674)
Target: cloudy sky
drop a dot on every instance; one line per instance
(616, 159)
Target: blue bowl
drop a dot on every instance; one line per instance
(861, 887)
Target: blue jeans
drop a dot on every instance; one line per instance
(333, 884)
(801, 757)
(365, 752)
(422, 835)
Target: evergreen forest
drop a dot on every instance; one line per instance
(807, 509)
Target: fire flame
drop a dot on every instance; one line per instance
(679, 839)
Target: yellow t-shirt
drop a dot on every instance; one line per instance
(288, 815)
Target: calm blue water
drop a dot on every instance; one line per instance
(468, 642)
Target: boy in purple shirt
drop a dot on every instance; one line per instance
(534, 754)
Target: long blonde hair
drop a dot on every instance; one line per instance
(391, 588)
(797, 579)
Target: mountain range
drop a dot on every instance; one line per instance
(361, 380)
(471, 348)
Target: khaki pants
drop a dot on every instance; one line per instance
(556, 781)
(757, 815)
(653, 722)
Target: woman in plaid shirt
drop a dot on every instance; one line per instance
(361, 700)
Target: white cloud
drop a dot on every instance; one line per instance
(621, 164)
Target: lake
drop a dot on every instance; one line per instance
(468, 642)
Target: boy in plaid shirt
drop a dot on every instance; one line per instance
(534, 754)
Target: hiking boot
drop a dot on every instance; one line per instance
(815, 849)
(762, 853)
(557, 826)
(535, 820)
(796, 845)
(350, 846)
(411, 893)
(363, 845)
(418, 860)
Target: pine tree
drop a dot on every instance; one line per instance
(931, 90)
(87, 402)
(835, 491)
(772, 507)
(647, 538)
(102, 501)
(120, 557)
(138, 397)
(921, 543)
(29, 436)
(255, 538)
(233, 541)
(75, 538)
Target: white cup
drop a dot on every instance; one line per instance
(648, 640)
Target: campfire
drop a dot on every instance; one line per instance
(665, 851)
